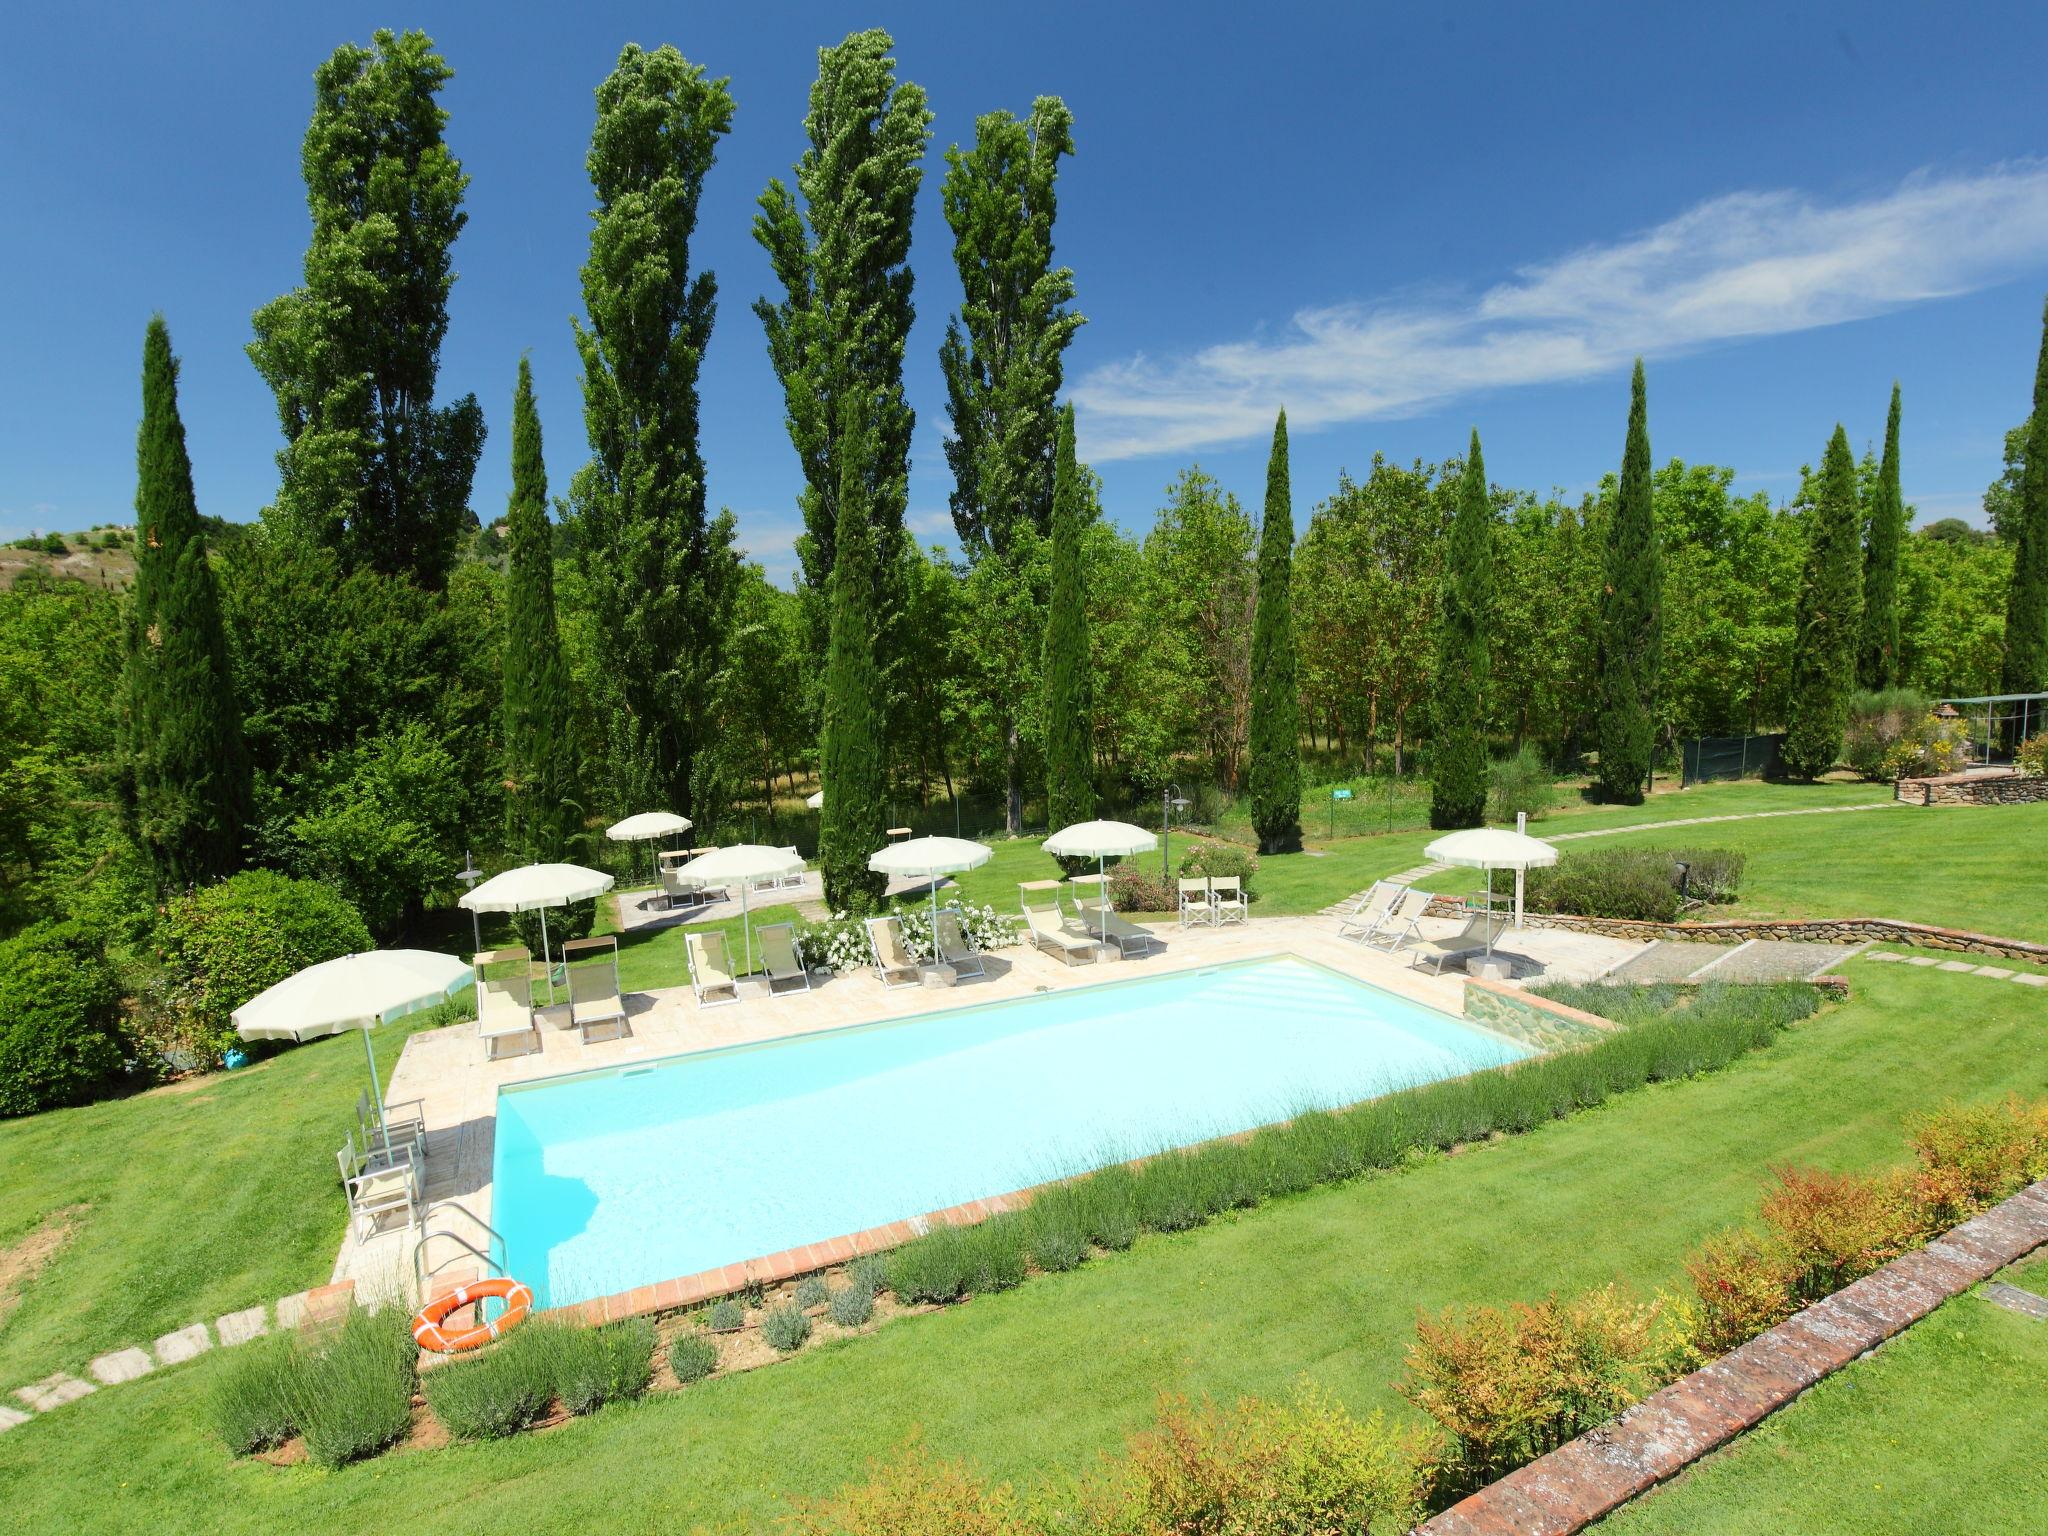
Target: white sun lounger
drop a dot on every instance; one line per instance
(892, 955)
(594, 1000)
(710, 968)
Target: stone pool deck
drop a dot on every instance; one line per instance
(442, 1073)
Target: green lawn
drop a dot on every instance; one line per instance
(1976, 867)
(1941, 1430)
(1050, 1375)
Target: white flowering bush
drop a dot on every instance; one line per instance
(841, 940)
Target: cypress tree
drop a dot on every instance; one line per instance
(1069, 713)
(185, 784)
(854, 821)
(1877, 662)
(1631, 618)
(1828, 622)
(1274, 772)
(2026, 603)
(1457, 789)
(543, 799)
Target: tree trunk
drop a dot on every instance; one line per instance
(1013, 800)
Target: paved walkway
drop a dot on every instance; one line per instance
(1970, 967)
(1423, 871)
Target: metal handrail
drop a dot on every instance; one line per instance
(420, 1269)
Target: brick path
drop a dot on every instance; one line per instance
(1580, 1482)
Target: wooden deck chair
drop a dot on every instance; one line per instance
(892, 955)
(710, 968)
(594, 998)
(504, 1000)
(780, 957)
(955, 945)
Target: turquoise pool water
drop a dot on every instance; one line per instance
(608, 1180)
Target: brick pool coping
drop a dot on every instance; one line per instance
(1573, 1027)
(1590, 1477)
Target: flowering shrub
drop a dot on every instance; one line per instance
(2032, 757)
(1973, 1155)
(841, 940)
(1838, 1227)
(1934, 745)
(1744, 1284)
(1135, 889)
(1509, 1384)
(915, 1495)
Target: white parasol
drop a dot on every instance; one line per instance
(1102, 841)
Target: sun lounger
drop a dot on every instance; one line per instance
(1479, 932)
(1050, 930)
(795, 877)
(677, 887)
(1226, 895)
(892, 955)
(710, 969)
(594, 1000)
(1113, 929)
(1195, 906)
(955, 945)
(780, 957)
(1370, 910)
(504, 1006)
(1398, 927)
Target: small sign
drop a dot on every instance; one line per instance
(1340, 794)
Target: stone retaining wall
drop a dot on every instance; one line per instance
(1831, 930)
(1590, 1477)
(1972, 789)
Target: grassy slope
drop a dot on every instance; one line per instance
(1058, 1371)
(1977, 867)
(1939, 1431)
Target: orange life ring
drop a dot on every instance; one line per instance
(426, 1324)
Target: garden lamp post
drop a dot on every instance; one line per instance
(469, 874)
(1170, 800)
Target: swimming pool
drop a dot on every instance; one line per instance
(608, 1180)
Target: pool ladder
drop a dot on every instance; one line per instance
(494, 1245)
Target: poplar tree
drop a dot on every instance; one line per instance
(1828, 621)
(659, 571)
(1002, 357)
(1877, 661)
(543, 799)
(1273, 776)
(1069, 714)
(842, 259)
(2025, 668)
(185, 777)
(1457, 762)
(371, 467)
(1631, 618)
(853, 823)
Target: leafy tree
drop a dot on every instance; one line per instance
(658, 574)
(371, 468)
(543, 799)
(187, 778)
(1952, 613)
(1631, 618)
(1203, 584)
(1877, 661)
(1003, 376)
(854, 821)
(1829, 621)
(1069, 712)
(2026, 602)
(1275, 727)
(1457, 763)
(845, 314)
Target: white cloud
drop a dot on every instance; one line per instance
(1747, 264)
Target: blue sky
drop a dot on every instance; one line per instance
(1398, 221)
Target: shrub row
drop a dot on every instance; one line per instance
(1507, 1384)
(348, 1393)
(61, 1037)
(515, 1382)
(1305, 1465)
(1177, 1190)
(1640, 884)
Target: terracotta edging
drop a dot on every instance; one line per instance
(1590, 1477)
